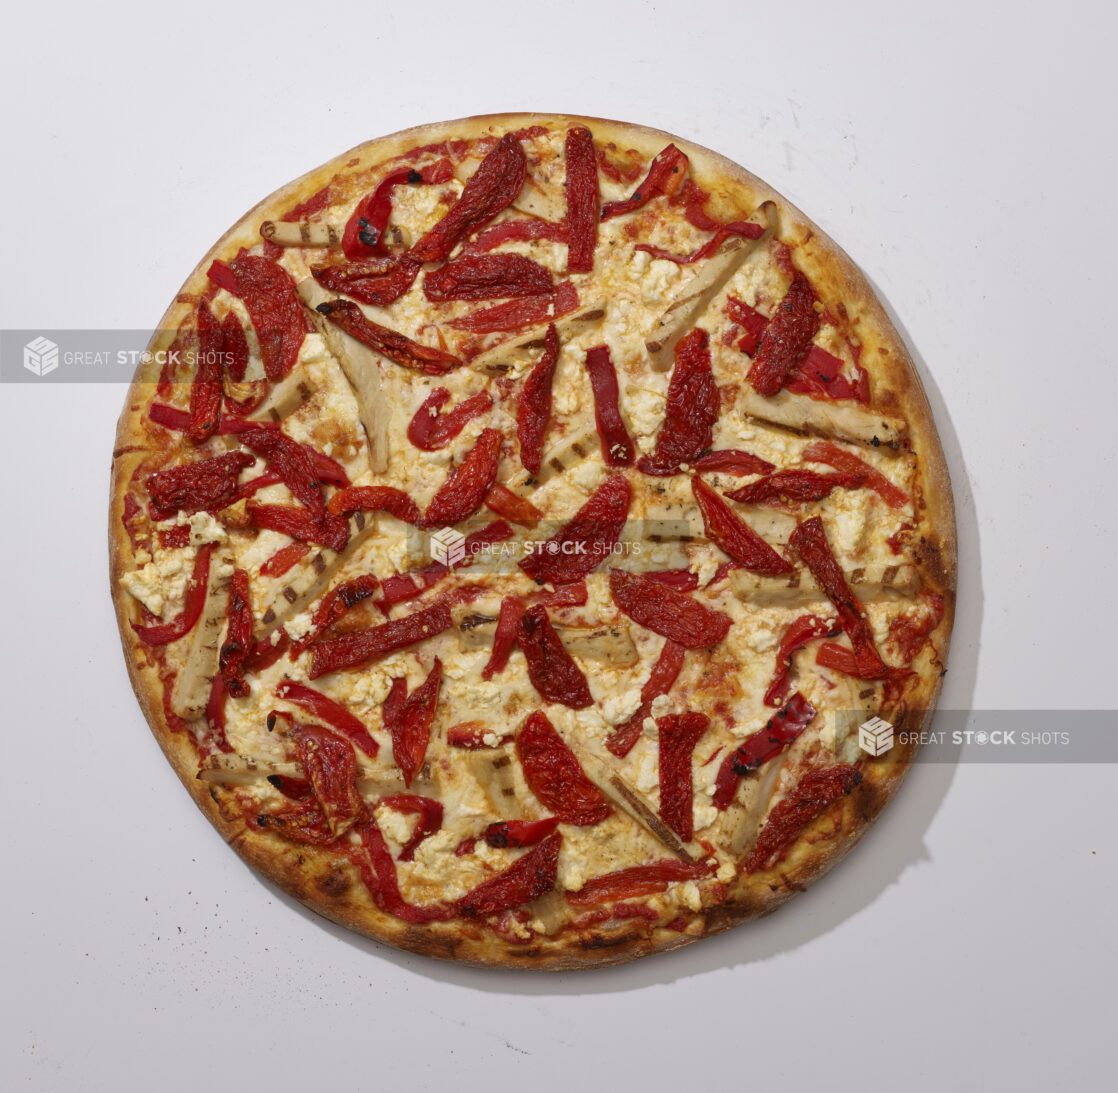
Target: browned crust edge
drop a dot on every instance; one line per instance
(335, 892)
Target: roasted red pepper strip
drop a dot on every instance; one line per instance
(679, 733)
(745, 228)
(617, 447)
(765, 744)
(665, 176)
(327, 710)
(692, 408)
(842, 659)
(516, 231)
(664, 611)
(532, 875)
(487, 277)
(504, 639)
(350, 650)
(238, 641)
(378, 871)
(519, 833)
(409, 721)
(265, 653)
(336, 603)
(284, 559)
(787, 337)
(751, 321)
(492, 188)
(551, 668)
(375, 499)
(796, 486)
(205, 390)
(567, 595)
(582, 199)
(810, 542)
(464, 490)
(430, 818)
(815, 792)
(664, 673)
(819, 375)
(429, 430)
(731, 461)
(800, 631)
(268, 292)
(166, 632)
(823, 451)
(346, 315)
(331, 767)
(364, 231)
(501, 500)
(555, 776)
(519, 314)
(380, 281)
(173, 538)
(292, 462)
(587, 540)
(732, 534)
(638, 880)
(332, 531)
(193, 487)
(533, 411)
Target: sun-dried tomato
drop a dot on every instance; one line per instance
(732, 534)
(350, 650)
(504, 638)
(234, 345)
(587, 540)
(487, 277)
(193, 487)
(533, 411)
(551, 668)
(555, 776)
(268, 292)
(376, 281)
(693, 404)
(347, 316)
(409, 720)
(238, 635)
(516, 231)
(617, 446)
(812, 795)
(331, 531)
(205, 388)
(330, 764)
(664, 673)
(731, 461)
(665, 611)
(795, 485)
(810, 542)
(464, 490)
(582, 199)
(293, 462)
(679, 733)
(786, 338)
(532, 875)
(491, 189)
(765, 744)
(637, 880)
(375, 499)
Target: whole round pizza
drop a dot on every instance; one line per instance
(527, 534)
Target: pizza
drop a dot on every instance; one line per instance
(513, 523)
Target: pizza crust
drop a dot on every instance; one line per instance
(336, 891)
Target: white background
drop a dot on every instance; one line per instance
(964, 156)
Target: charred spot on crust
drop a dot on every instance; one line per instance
(335, 884)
